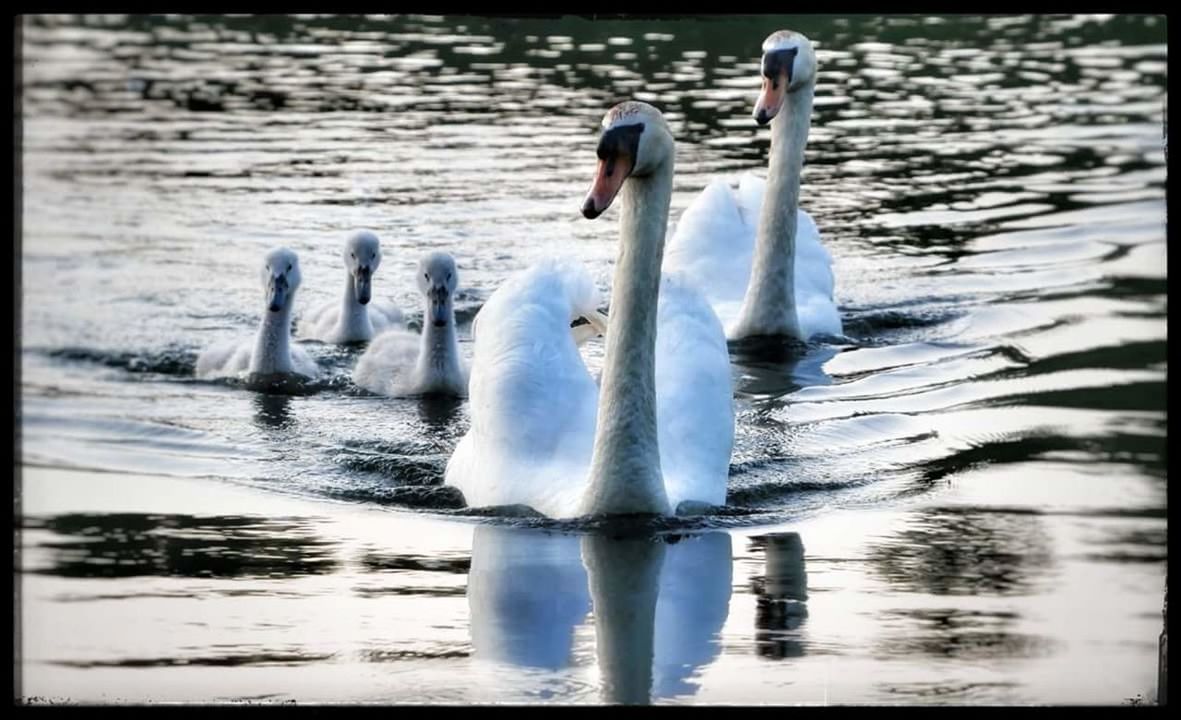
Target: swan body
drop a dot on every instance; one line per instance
(660, 429)
(271, 353)
(400, 363)
(532, 400)
(713, 248)
(357, 317)
(752, 252)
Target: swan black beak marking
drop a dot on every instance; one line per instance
(589, 211)
(363, 285)
(439, 310)
(777, 71)
(277, 293)
(617, 151)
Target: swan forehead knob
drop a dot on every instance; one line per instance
(786, 40)
(633, 112)
(363, 247)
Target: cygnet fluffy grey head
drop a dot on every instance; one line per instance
(437, 280)
(280, 277)
(362, 255)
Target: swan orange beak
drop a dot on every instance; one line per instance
(609, 178)
(770, 98)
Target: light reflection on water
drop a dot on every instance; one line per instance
(991, 189)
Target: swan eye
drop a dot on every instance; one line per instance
(448, 277)
(426, 276)
(288, 267)
(353, 255)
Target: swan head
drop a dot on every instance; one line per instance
(280, 278)
(789, 63)
(362, 255)
(636, 140)
(437, 280)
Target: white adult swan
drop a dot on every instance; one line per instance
(400, 363)
(356, 318)
(271, 353)
(778, 280)
(660, 430)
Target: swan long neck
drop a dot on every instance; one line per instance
(625, 466)
(272, 345)
(354, 317)
(438, 350)
(770, 304)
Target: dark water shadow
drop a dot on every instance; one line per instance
(124, 545)
(440, 413)
(957, 633)
(658, 603)
(770, 368)
(967, 551)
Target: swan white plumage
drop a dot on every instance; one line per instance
(753, 253)
(660, 430)
(271, 353)
(357, 317)
(399, 362)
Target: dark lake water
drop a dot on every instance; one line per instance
(964, 503)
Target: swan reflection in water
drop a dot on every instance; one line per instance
(774, 367)
(659, 604)
(438, 414)
(782, 595)
(273, 411)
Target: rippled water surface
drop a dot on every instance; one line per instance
(963, 502)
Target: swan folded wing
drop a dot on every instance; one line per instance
(818, 315)
(385, 315)
(388, 363)
(694, 406)
(321, 322)
(533, 415)
(324, 313)
(813, 261)
(302, 362)
(224, 359)
(749, 196)
(814, 279)
(532, 398)
(713, 246)
(814, 276)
